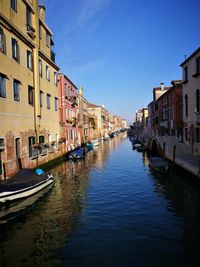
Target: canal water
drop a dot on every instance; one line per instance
(109, 209)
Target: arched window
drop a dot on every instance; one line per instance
(186, 105)
(197, 100)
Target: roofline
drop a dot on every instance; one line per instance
(191, 56)
(67, 78)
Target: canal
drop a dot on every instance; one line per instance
(109, 209)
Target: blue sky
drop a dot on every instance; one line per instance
(118, 50)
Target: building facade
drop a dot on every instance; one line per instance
(28, 87)
(68, 112)
(191, 101)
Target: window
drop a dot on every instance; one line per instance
(186, 105)
(2, 41)
(31, 95)
(40, 67)
(41, 99)
(13, 5)
(47, 39)
(56, 104)
(55, 78)
(47, 73)
(198, 135)
(198, 65)
(15, 50)
(197, 100)
(28, 18)
(41, 139)
(48, 101)
(186, 134)
(185, 78)
(2, 86)
(65, 88)
(71, 134)
(32, 152)
(16, 90)
(29, 56)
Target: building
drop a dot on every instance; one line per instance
(140, 124)
(157, 93)
(191, 101)
(83, 118)
(68, 112)
(28, 88)
(102, 116)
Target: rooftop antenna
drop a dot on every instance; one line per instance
(185, 57)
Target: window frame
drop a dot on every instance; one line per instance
(30, 95)
(28, 18)
(55, 78)
(197, 132)
(198, 65)
(56, 104)
(13, 5)
(2, 86)
(48, 101)
(15, 50)
(185, 71)
(16, 90)
(47, 72)
(40, 67)
(2, 41)
(41, 98)
(29, 59)
(47, 39)
(186, 105)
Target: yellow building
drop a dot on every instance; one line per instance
(29, 131)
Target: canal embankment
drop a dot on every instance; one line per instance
(180, 154)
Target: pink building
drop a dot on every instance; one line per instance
(68, 112)
(165, 111)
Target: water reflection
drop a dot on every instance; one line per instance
(111, 206)
(183, 193)
(36, 237)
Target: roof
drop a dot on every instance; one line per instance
(90, 105)
(176, 82)
(68, 79)
(191, 56)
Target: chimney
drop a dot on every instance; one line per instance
(162, 86)
(42, 12)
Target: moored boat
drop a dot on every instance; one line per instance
(89, 146)
(159, 164)
(77, 154)
(25, 183)
(18, 208)
(95, 142)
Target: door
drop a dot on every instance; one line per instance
(17, 153)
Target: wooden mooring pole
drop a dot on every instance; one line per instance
(164, 149)
(174, 155)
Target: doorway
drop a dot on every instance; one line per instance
(17, 153)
